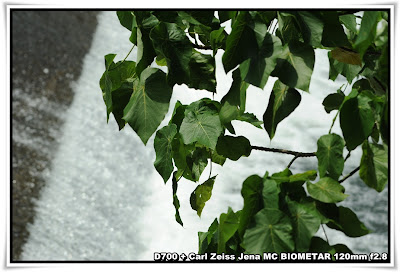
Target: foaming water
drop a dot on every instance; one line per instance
(104, 200)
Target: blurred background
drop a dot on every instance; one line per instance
(48, 48)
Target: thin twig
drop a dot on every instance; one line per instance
(348, 156)
(326, 236)
(123, 59)
(210, 165)
(290, 163)
(204, 47)
(350, 174)
(284, 151)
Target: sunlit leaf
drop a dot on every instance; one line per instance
(330, 156)
(272, 232)
(228, 225)
(148, 104)
(374, 166)
(306, 223)
(326, 190)
(295, 66)
(201, 124)
(367, 31)
(201, 195)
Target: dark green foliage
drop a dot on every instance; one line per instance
(282, 102)
(283, 211)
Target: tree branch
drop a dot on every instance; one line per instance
(284, 151)
(350, 174)
(204, 47)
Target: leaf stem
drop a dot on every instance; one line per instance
(123, 59)
(290, 163)
(326, 236)
(350, 174)
(333, 121)
(348, 156)
(210, 165)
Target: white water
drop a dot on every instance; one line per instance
(103, 199)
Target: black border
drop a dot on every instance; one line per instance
(390, 256)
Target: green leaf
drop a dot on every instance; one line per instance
(233, 147)
(333, 101)
(367, 32)
(145, 50)
(341, 248)
(306, 223)
(308, 175)
(326, 190)
(288, 28)
(170, 41)
(347, 70)
(257, 69)
(349, 21)
(348, 222)
(163, 148)
(118, 76)
(333, 34)
(201, 124)
(295, 66)
(178, 114)
(253, 201)
(202, 72)
(208, 241)
(251, 119)
(321, 246)
(330, 156)
(217, 158)
(283, 176)
(311, 26)
(176, 200)
(374, 166)
(190, 160)
(282, 102)
(234, 102)
(148, 104)
(356, 120)
(201, 195)
(270, 194)
(120, 98)
(241, 43)
(217, 39)
(126, 19)
(228, 225)
(272, 232)
(225, 15)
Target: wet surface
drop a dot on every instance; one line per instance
(47, 52)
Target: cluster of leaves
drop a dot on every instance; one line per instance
(278, 214)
